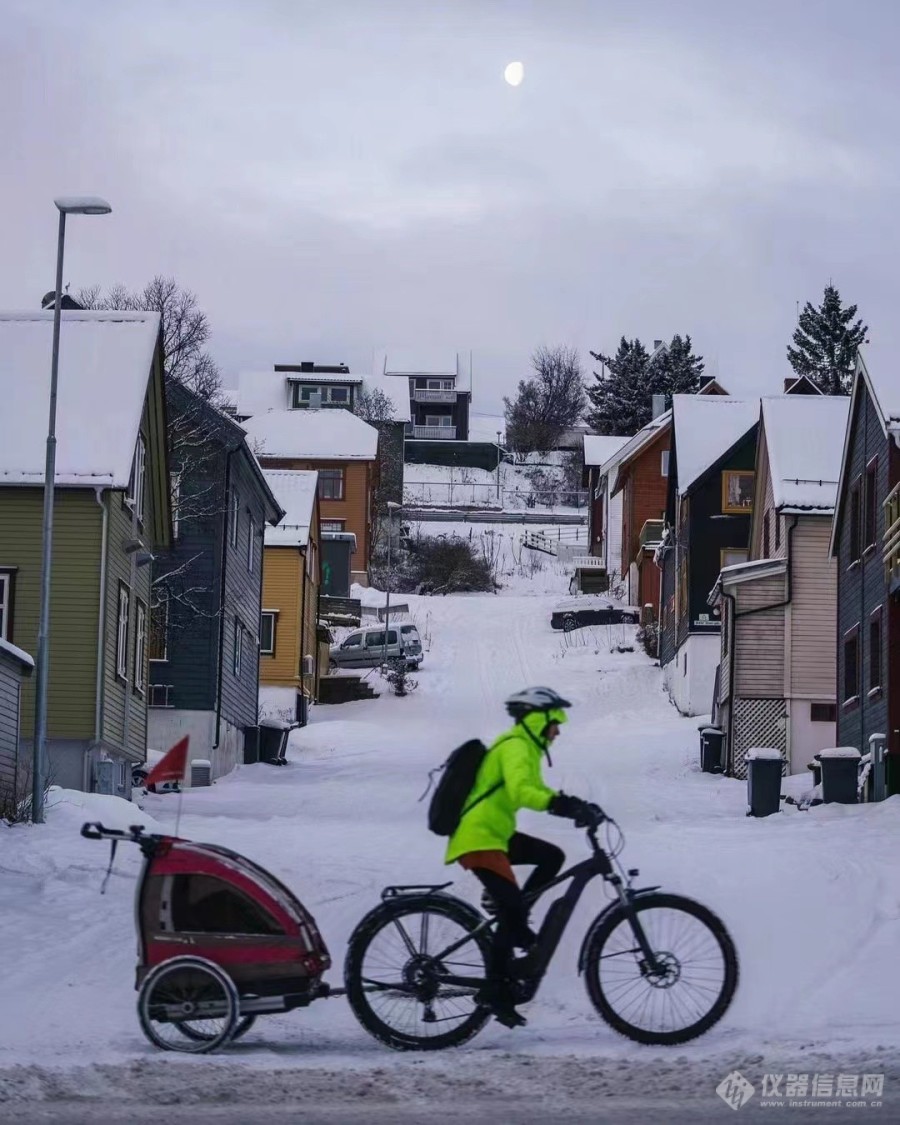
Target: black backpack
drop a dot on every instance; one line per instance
(459, 773)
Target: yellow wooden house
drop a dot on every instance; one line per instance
(289, 659)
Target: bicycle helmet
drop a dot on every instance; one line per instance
(535, 699)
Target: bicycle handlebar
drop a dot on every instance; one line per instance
(94, 830)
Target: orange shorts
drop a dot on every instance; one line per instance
(495, 861)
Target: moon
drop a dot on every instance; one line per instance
(514, 73)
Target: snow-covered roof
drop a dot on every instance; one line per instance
(637, 444)
(318, 377)
(17, 654)
(805, 442)
(105, 360)
(600, 449)
(706, 427)
(884, 380)
(396, 390)
(419, 362)
(322, 435)
(295, 491)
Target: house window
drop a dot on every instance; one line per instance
(439, 384)
(851, 666)
(731, 556)
(871, 513)
(267, 624)
(175, 500)
(235, 517)
(138, 478)
(439, 420)
(159, 631)
(766, 543)
(726, 625)
(331, 484)
(237, 655)
(683, 589)
(122, 634)
(251, 542)
(823, 712)
(664, 463)
(777, 532)
(737, 492)
(338, 394)
(874, 684)
(855, 526)
(335, 526)
(140, 647)
(6, 599)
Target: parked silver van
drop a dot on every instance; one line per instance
(366, 648)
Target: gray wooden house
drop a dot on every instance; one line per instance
(15, 667)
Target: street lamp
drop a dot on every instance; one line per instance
(392, 506)
(498, 463)
(67, 205)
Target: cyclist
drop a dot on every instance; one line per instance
(487, 844)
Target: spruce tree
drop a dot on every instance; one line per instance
(621, 397)
(825, 343)
(676, 370)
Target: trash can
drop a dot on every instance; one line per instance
(840, 775)
(711, 739)
(815, 767)
(764, 766)
(251, 745)
(273, 741)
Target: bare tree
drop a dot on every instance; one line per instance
(547, 404)
(374, 406)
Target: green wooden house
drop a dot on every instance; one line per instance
(111, 512)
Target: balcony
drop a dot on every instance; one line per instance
(421, 395)
(651, 533)
(892, 540)
(434, 433)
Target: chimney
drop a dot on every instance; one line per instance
(658, 405)
(657, 344)
(704, 381)
(788, 383)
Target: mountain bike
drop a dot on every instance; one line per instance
(660, 968)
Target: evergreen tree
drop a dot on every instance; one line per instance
(676, 370)
(825, 343)
(621, 397)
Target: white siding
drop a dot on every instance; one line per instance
(759, 639)
(813, 611)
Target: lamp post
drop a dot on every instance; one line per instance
(392, 506)
(498, 463)
(70, 205)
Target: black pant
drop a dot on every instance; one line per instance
(512, 910)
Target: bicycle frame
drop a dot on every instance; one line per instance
(559, 914)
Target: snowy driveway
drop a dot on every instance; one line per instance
(812, 899)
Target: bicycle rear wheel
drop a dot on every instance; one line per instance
(393, 968)
(695, 979)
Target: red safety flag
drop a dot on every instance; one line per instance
(171, 766)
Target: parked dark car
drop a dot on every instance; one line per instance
(574, 613)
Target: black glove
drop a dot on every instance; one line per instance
(584, 813)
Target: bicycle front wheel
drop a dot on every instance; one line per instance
(686, 991)
(394, 969)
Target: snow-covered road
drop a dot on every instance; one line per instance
(812, 899)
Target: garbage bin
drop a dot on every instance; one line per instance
(273, 741)
(764, 766)
(711, 739)
(815, 766)
(840, 774)
(251, 745)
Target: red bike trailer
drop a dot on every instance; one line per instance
(220, 942)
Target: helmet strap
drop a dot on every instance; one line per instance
(543, 746)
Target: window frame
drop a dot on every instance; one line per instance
(875, 623)
(332, 530)
(122, 629)
(855, 520)
(7, 602)
(139, 676)
(175, 502)
(251, 542)
(777, 522)
(870, 508)
(850, 700)
(831, 716)
(139, 479)
(235, 517)
(732, 551)
(272, 615)
(331, 477)
(237, 655)
(767, 539)
(664, 462)
(733, 510)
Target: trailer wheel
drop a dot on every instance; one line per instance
(188, 992)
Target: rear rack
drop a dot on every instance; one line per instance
(414, 890)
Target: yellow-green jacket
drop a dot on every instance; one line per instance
(514, 763)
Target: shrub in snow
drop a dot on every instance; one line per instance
(396, 672)
(648, 638)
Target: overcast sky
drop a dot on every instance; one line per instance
(335, 177)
